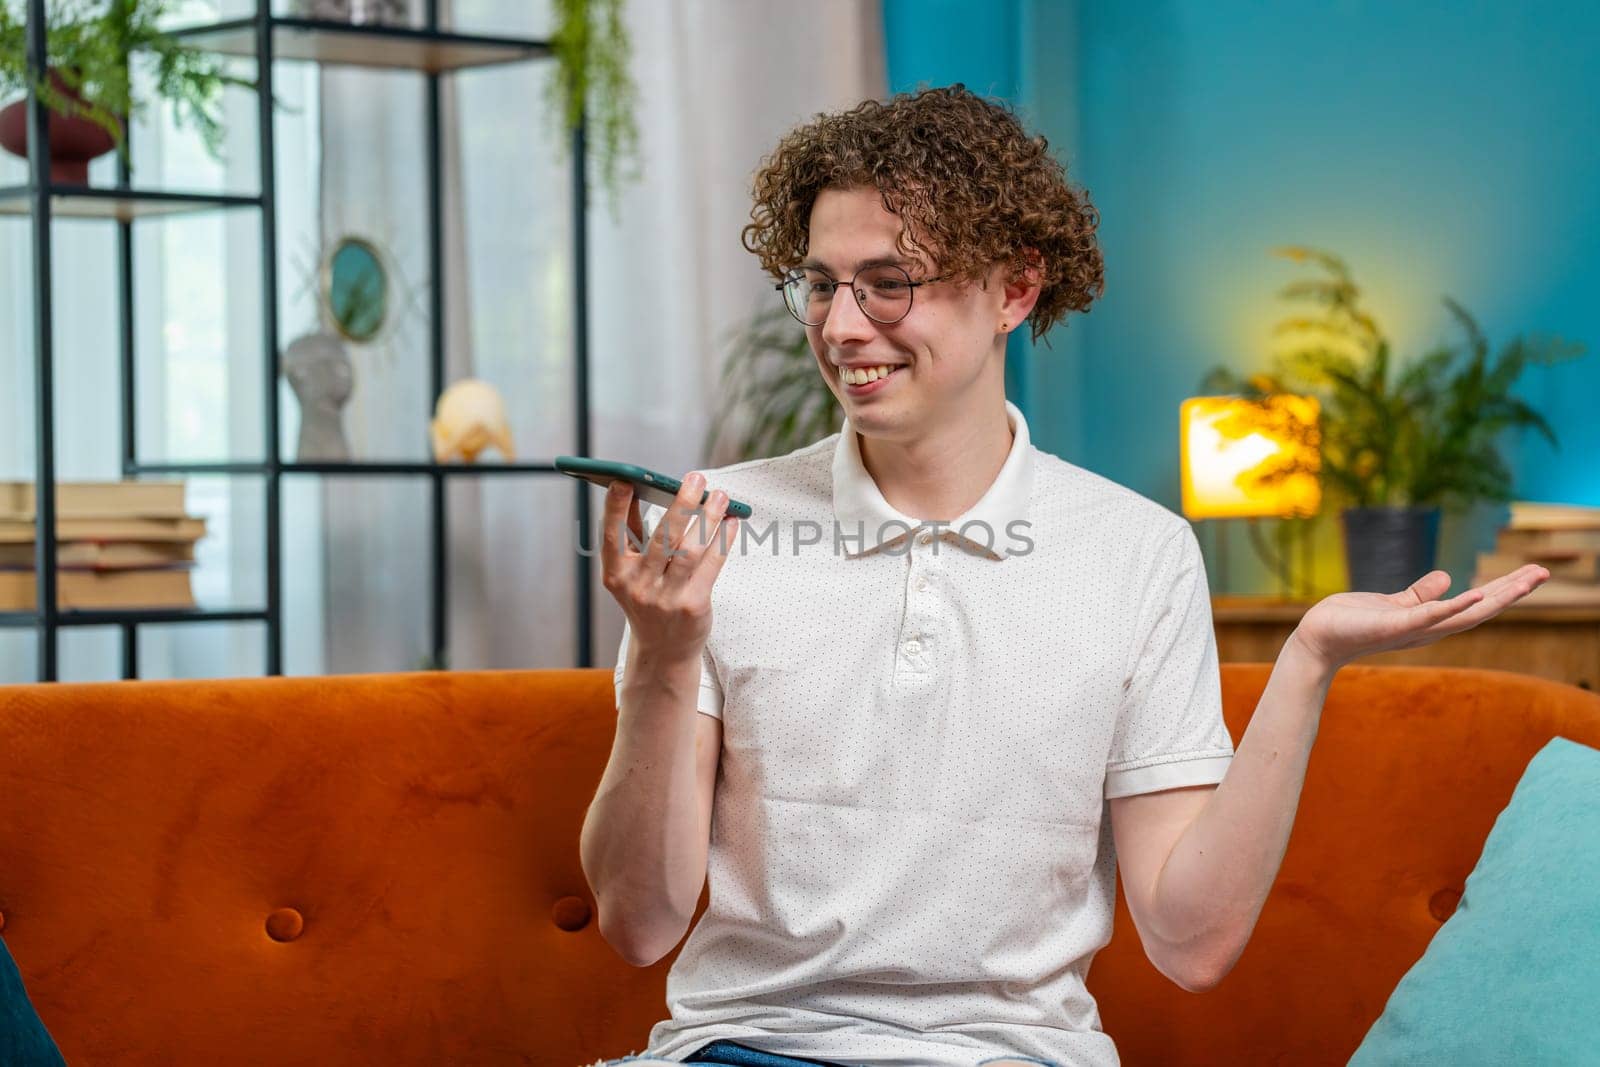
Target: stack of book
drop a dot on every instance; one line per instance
(119, 545)
(1562, 538)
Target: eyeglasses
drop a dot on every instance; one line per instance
(883, 292)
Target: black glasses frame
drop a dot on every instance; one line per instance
(860, 294)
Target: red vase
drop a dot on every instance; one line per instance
(74, 140)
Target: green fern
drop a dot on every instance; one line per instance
(1423, 433)
(87, 45)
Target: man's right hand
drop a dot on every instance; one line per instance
(665, 590)
(646, 837)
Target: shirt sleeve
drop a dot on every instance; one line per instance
(709, 701)
(1170, 731)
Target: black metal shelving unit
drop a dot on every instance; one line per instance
(429, 50)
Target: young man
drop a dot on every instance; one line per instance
(954, 681)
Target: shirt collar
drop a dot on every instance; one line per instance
(859, 505)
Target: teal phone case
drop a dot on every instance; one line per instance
(649, 485)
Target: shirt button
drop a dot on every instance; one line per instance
(922, 583)
(913, 646)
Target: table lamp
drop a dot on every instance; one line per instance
(1251, 458)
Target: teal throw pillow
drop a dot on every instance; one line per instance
(24, 1042)
(1513, 976)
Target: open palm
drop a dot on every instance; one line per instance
(1346, 626)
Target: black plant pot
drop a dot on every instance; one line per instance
(1386, 549)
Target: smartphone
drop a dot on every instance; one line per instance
(649, 485)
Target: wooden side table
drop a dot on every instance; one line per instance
(1561, 642)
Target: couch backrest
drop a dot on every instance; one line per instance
(1410, 768)
(384, 868)
(163, 841)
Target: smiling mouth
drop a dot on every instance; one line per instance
(866, 375)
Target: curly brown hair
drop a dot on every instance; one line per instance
(960, 171)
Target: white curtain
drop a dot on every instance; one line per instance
(719, 82)
(508, 287)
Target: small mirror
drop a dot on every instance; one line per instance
(356, 285)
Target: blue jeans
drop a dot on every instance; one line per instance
(730, 1054)
(733, 1054)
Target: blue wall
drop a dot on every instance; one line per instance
(1440, 150)
(1004, 49)
(940, 42)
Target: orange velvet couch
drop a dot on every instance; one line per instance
(383, 869)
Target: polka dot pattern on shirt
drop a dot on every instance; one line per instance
(910, 858)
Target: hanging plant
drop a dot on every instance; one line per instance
(592, 86)
(88, 43)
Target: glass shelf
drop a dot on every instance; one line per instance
(345, 468)
(88, 202)
(112, 617)
(391, 47)
(195, 467)
(369, 467)
(121, 615)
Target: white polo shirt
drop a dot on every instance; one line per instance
(911, 860)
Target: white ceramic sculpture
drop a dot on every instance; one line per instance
(319, 371)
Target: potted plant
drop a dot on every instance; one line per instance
(88, 89)
(1398, 442)
(773, 398)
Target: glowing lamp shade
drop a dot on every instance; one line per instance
(1227, 444)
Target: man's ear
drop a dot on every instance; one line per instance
(1022, 292)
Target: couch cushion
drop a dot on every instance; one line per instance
(314, 872)
(1510, 978)
(1411, 767)
(24, 1042)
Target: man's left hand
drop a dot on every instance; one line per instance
(1346, 626)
